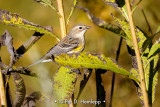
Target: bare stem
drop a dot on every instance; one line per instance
(61, 18)
(138, 57)
(53, 8)
(2, 91)
(113, 76)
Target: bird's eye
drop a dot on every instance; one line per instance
(80, 28)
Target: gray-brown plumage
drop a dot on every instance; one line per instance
(74, 42)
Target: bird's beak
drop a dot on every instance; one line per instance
(88, 27)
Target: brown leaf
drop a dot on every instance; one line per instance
(20, 89)
(101, 23)
(7, 40)
(30, 100)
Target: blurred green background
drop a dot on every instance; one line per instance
(97, 41)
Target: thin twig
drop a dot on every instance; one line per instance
(100, 88)
(84, 81)
(61, 19)
(113, 76)
(138, 57)
(53, 8)
(62, 26)
(3, 100)
(29, 43)
(149, 27)
(72, 10)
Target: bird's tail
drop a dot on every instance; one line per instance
(39, 61)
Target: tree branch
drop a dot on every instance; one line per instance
(2, 91)
(61, 18)
(138, 57)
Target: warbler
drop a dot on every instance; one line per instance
(73, 42)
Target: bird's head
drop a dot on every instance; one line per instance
(78, 30)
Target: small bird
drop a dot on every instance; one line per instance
(73, 42)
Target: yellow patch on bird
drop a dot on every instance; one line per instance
(79, 48)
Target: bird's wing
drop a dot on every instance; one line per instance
(69, 42)
(65, 45)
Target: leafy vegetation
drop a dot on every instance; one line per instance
(64, 80)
